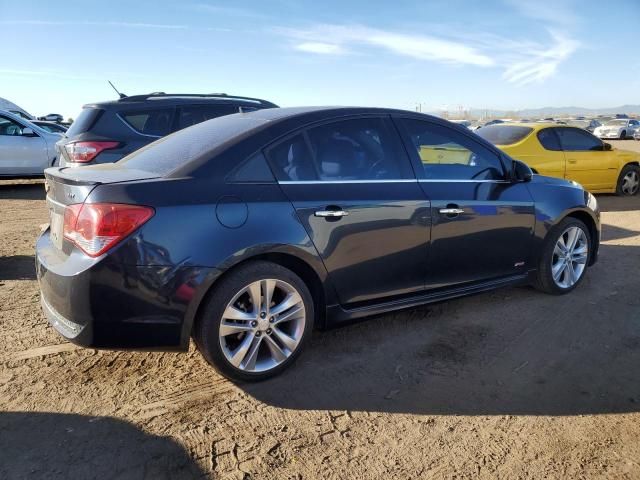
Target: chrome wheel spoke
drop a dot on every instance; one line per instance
(557, 270)
(238, 355)
(276, 352)
(251, 334)
(572, 238)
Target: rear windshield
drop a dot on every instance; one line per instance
(504, 134)
(175, 150)
(84, 122)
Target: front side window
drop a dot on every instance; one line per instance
(9, 127)
(348, 150)
(156, 122)
(549, 139)
(192, 114)
(575, 140)
(446, 154)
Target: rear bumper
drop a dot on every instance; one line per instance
(104, 304)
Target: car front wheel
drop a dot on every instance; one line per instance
(255, 322)
(564, 257)
(623, 134)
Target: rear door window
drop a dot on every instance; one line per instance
(193, 114)
(154, 122)
(504, 134)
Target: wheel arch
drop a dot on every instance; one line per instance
(589, 221)
(316, 281)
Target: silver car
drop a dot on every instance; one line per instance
(25, 149)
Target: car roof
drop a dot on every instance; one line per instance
(161, 98)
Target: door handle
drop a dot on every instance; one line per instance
(451, 211)
(572, 160)
(331, 213)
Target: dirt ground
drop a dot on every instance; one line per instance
(509, 384)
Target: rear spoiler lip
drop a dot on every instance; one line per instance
(66, 175)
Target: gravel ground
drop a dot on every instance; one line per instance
(509, 384)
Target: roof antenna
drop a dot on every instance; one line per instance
(121, 95)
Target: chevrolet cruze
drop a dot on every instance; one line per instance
(248, 231)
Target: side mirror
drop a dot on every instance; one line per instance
(28, 132)
(521, 172)
(607, 147)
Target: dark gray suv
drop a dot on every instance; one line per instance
(105, 132)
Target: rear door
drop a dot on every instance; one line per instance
(355, 192)
(587, 161)
(21, 154)
(482, 223)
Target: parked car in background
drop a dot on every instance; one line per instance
(25, 149)
(286, 217)
(588, 125)
(50, 126)
(52, 117)
(570, 153)
(636, 135)
(105, 132)
(618, 128)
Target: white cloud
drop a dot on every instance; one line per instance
(421, 47)
(540, 65)
(320, 48)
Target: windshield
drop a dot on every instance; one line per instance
(504, 134)
(616, 123)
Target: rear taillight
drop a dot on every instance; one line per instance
(83, 152)
(96, 227)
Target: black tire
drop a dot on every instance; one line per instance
(625, 171)
(623, 135)
(206, 330)
(544, 278)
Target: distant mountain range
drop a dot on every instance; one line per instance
(550, 112)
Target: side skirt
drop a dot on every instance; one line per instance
(337, 315)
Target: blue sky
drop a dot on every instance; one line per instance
(506, 54)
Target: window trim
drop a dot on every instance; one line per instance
(417, 164)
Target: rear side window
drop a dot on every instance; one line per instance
(291, 160)
(446, 154)
(504, 134)
(192, 114)
(156, 123)
(85, 121)
(549, 140)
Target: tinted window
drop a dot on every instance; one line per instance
(180, 148)
(84, 122)
(255, 169)
(9, 127)
(449, 155)
(358, 149)
(503, 134)
(573, 139)
(549, 139)
(149, 122)
(291, 160)
(192, 114)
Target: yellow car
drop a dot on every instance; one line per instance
(568, 152)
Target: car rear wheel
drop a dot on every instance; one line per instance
(564, 258)
(629, 181)
(255, 322)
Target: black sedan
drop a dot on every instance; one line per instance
(247, 231)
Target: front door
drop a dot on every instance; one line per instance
(587, 162)
(20, 154)
(355, 192)
(482, 223)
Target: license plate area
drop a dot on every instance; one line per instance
(56, 225)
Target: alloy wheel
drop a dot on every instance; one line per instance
(631, 183)
(262, 325)
(569, 258)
